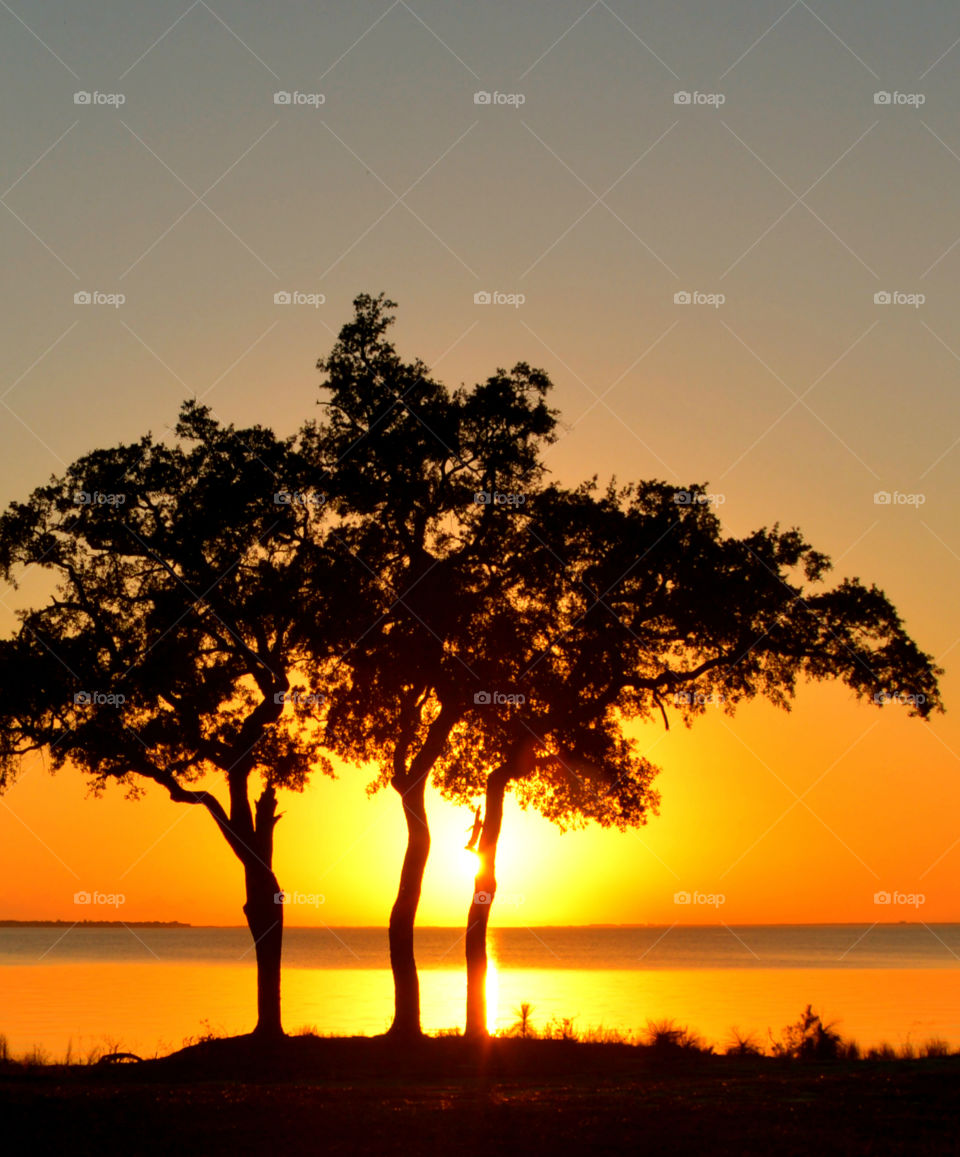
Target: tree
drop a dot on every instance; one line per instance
(423, 479)
(191, 581)
(633, 603)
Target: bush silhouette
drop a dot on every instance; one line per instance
(809, 1039)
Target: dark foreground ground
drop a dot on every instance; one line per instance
(361, 1096)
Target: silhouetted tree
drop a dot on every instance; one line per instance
(424, 479)
(632, 604)
(191, 579)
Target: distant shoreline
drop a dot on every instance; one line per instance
(93, 924)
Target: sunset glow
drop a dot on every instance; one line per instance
(478, 567)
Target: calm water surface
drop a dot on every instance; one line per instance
(148, 989)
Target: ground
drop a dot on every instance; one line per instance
(361, 1096)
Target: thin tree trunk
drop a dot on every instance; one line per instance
(264, 913)
(406, 984)
(484, 891)
(411, 783)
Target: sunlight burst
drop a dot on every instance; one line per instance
(469, 862)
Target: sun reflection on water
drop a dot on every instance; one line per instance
(492, 991)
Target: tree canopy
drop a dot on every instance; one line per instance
(193, 580)
(632, 606)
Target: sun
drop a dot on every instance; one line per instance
(469, 863)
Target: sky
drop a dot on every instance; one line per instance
(730, 235)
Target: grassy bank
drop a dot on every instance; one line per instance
(312, 1095)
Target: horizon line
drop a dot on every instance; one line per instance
(9, 922)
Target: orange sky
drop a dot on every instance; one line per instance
(876, 813)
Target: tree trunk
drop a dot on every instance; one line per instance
(484, 891)
(264, 913)
(406, 985)
(252, 844)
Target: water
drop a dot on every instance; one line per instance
(148, 989)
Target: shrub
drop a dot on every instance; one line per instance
(560, 1028)
(605, 1036)
(666, 1036)
(935, 1047)
(743, 1044)
(523, 1026)
(809, 1039)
